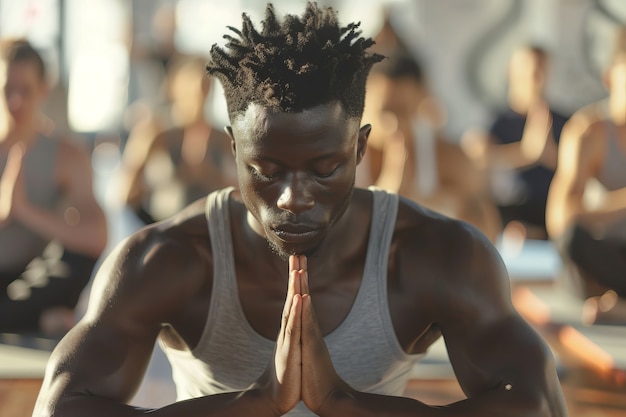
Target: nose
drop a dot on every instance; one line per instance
(295, 197)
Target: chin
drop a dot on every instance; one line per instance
(284, 251)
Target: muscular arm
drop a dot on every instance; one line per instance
(502, 365)
(82, 228)
(97, 367)
(580, 158)
(500, 362)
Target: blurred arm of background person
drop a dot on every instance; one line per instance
(165, 167)
(81, 227)
(408, 154)
(586, 149)
(526, 75)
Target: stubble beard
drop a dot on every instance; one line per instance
(343, 207)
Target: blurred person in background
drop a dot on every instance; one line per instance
(51, 228)
(166, 168)
(387, 278)
(590, 228)
(407, 152)
(519, 151)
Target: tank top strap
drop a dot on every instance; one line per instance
(384, 213)
(224, 298)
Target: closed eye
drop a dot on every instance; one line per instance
(260, 176)
(326, 174)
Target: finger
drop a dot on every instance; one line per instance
(289, 347)
(293, 330)
(309, 322)
(294, 263)
(303, 262)
(287, 307)
(304, 275)
(304, 281)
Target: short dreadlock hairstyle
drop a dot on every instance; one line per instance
(294, 65)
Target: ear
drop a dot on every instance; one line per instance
(233, 146)
(361, 146)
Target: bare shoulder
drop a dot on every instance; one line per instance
(448, 259)
(156, 271)
(586, 122)
(584, 132)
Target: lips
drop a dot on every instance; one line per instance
(292, 233)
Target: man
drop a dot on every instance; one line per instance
(592, 234)
(407, 153)
(520, 149)
(369, 285)
(165, 169)
(51, 227)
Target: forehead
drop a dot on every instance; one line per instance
(322, 127)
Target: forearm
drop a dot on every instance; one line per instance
(508, 156)
(601, 217)
(498, 402)
(82, 232)
(244, 404)
(131, 186)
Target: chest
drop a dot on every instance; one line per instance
(262, 300)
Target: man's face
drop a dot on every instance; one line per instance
(401, 96)
(24, 90)
(296, 172)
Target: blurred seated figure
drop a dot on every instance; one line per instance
(166, 168)
(406, 151)
(519, 152)
(586, 212)
(51, 228)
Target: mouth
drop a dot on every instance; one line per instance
(296, 233)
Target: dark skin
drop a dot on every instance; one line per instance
(299, 168)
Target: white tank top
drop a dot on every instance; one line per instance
(231, 355)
